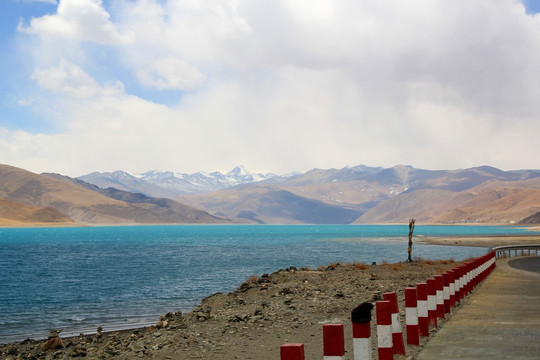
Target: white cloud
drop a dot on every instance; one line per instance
(82, 20)
(171, 73)
(71, 80)
(278, 86)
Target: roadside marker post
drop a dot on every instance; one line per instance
(457, 274)
(361, 331)
(440, 296)
(411, 316)
(333, 342)
(422, 304)
(452, 288)
(384, 330)
(467, 279)
(292, 352)
(397, 332)
(432, 301)
(446, 292)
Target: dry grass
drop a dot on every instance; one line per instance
(446, 262)
(397, 266)
(252, 278)
(360, 266)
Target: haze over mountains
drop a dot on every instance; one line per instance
(357, 194)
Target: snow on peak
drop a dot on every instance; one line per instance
(199, 182)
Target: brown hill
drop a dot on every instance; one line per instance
(533, 219)
(379, 195)
(335, 196)
(16, 214)
(493, 201)
(267, 204)
(87, 206)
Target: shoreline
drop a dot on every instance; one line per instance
(251, 322)
(288, 305)
(7, 224)
(480, 241)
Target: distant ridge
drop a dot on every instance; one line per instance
(358, 194)
(87, 205)
(387, 195)
(170, 184)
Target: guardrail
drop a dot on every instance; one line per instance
(502, 252)
(423, 306)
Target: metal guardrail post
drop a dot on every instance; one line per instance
(506, 251)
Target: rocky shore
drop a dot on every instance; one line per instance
(252, 322)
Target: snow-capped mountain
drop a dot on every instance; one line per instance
(172, 184)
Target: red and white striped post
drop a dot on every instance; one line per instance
(446, 292)
(470, 276)
(472, 266)
(292, 352)
(479, 266)
(397, 332)
(411, 316)
(465, 281)
(457, 275)
(361, 329)
(423, 320)
(440, 296)
(384, 330)
(452, 288)
(432, 301)
(474, 274)
(493, 261)
(484, 267)
(488, 264)
(333, 342)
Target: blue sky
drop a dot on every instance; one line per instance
(90, 85)
(532, 6)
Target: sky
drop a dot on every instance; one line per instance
(274, 85)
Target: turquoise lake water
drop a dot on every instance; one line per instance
(77, 279)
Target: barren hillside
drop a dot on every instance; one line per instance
(87, 206)
(16, 214)
(493, 201)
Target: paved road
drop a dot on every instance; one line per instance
(526, 263)
(501, 320)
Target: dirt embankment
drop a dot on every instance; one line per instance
(252, 322)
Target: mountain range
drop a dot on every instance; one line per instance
(358, 194)
(84, 203)
(172, 184)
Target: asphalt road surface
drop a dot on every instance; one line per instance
(526, 263)
(499, 320)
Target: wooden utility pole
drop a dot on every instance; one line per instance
(411, 229)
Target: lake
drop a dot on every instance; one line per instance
(77, 279)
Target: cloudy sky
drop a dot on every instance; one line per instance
(274, 85)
